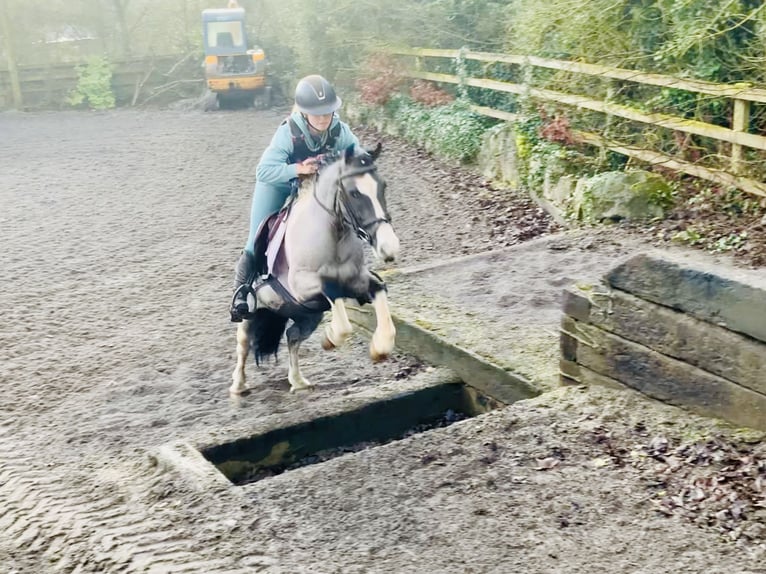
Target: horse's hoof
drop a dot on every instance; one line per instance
(380, 351)
(306, 388)
(378, 357)
(327, 344)
(238, 390)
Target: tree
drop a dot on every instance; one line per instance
(120, 7)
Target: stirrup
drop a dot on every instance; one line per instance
(240, 311)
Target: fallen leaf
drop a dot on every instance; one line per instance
(547, 463)
(600, 462)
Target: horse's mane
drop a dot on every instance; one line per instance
(329, 173)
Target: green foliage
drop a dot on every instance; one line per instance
(690, 236)
(538, 153)
(707, 203)
(566, 29)
(94, 85)
(708, 39)
(614, 161)
(330, 36)
(663, 196)
(705, 39)
(451, 131)
(456, 131)
(730, 242)
(528, 140)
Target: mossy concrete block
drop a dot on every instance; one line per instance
(556, 195)
(498, 157)
(617, 195)
(729, 298)
(476, 371)
(559, 188)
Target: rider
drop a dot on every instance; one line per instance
(313, 129)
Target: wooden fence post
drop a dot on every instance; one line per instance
(739, 124)
(737, 136)
(611, 91)
(13, 71)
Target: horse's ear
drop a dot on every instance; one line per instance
(348, 153)
(376, 152)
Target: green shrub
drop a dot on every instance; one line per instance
(94, 85)
(451, 131)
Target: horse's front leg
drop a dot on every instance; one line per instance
(298, 332)
(383, 338)
(339, 329)
(238, 385)
(304, 284)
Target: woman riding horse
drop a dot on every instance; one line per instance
(313, 129)
(319, 262)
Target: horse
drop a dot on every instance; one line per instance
(319, 263)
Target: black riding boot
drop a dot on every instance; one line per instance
(243, 278)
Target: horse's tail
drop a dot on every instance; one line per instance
(265, 332)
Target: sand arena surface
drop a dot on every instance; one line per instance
(119, 232)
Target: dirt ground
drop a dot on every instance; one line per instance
(119, 231)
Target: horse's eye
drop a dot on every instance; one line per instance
(355, 193)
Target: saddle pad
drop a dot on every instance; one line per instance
(276, 243)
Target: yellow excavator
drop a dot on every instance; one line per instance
(234, 73)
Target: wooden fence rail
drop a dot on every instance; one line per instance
(133, 81)
(737, 135)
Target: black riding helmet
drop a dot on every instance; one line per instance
(314, 95)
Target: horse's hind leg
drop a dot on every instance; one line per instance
(238, 385)
(339, 329)
(298, 332)
(382, 343)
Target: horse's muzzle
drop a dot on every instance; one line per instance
(386, 243)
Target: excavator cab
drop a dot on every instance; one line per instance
(233, 72)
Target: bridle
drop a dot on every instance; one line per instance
(342, 211)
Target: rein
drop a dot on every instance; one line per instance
(341, 210)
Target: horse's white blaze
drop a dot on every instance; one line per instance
(368, 185)
(339, 329)
(238, 384)
(383, 338)
(386, 242)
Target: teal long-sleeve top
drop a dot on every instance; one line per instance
(274, 171)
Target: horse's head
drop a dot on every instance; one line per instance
(363, 198)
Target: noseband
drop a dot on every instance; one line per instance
(341, 210)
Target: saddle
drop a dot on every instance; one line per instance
(271, 263)
(269, 240)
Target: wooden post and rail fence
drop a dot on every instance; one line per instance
(48, 86)
(134, 80)
(737, 135)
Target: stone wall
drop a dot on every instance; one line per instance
(684, 332)
(556, 182)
